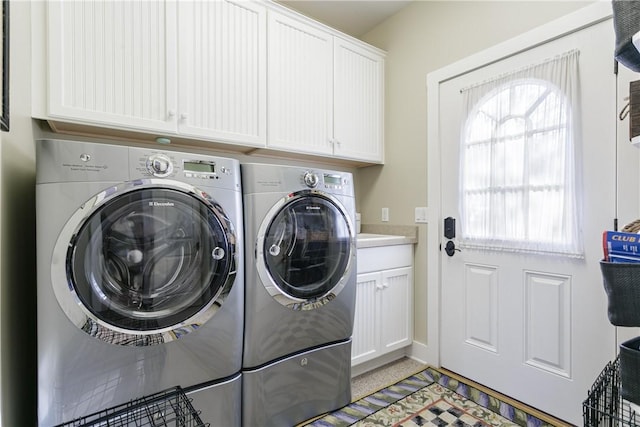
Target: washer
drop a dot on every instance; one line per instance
(300, 292)
(140, 279)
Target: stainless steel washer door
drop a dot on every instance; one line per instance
(305, 249)
(147, 262)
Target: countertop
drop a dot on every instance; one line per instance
(370, 240)
(376, 236)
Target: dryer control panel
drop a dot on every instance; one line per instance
(268, 178)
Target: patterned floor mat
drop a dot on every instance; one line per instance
(440, 413)
(428, 398)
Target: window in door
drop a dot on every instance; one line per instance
(519, 178)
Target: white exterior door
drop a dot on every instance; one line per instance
(534, 327)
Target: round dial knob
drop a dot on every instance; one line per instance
(159, 165)
(310, 179)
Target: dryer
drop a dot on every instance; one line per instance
(140, 278)
(299, 294)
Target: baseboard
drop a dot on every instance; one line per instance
(420, 352)
(379, 361)
(417, 351)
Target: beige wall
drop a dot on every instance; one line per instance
(17, 202)
(423, 37)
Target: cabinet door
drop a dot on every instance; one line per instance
(112, 63)
(300, 105)
(366, 325)
(358, 102)
(222, 70)
(396, 308)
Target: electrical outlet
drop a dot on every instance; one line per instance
(385, 214)
(421, 215)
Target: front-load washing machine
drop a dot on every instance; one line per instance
(299, 294)
(140, 279)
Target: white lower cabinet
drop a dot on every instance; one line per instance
(384, 302)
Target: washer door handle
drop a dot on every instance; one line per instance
(217, 253)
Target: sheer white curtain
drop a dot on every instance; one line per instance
(519, 177)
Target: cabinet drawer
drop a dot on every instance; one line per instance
(384, 258)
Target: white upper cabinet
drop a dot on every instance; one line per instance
(246, 74)
(358, 102)
(300, 107)
(135, 65)
(326, 93)
(222, 70)
(110, 62)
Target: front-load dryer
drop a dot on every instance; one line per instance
(140, 279)
(300, 292)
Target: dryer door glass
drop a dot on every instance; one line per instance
(307, 247)
(151, 258)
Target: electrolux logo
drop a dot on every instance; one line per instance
(161, 204)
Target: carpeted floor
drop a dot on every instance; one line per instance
(384, 376)
(434, 397)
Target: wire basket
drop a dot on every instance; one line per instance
(170, 407)
(605, 406)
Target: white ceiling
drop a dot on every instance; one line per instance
(354, 17)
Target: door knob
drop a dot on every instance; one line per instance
(450, 248)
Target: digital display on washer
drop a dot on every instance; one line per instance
(207, 167)
(332, 179)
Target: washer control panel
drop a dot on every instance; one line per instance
(201, 169)
(310, 179)
(334, 181)
(159, 165)
(325, 181)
